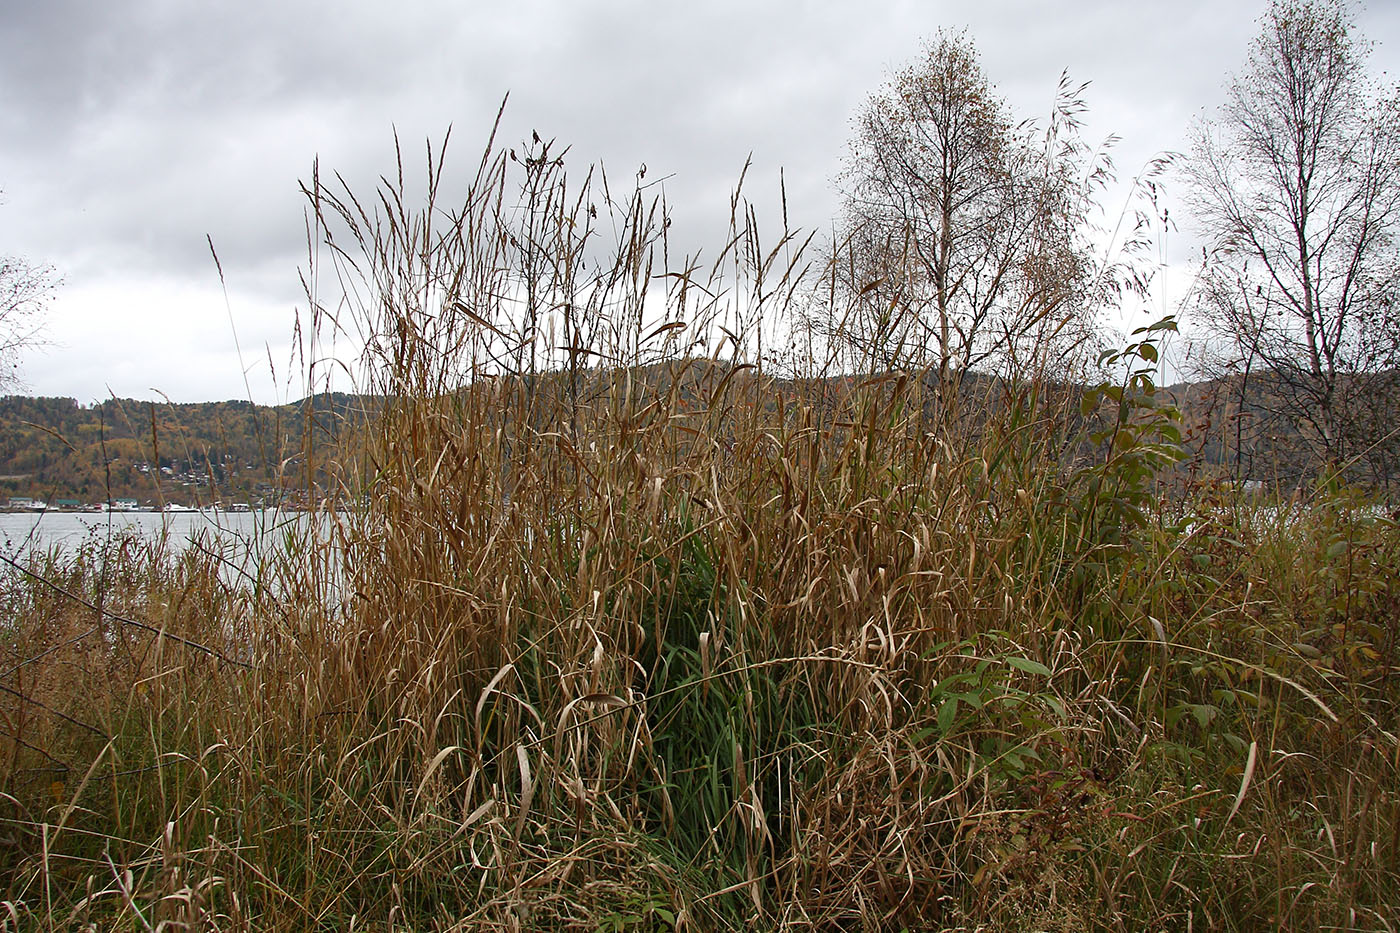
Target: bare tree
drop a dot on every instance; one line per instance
(25, 291)
(962, 242)
(1297, 187)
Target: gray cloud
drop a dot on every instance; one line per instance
(130, 131)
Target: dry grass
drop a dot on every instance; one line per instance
(643, 609)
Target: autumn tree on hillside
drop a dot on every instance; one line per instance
(1296, 184)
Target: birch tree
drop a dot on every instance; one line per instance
(1296, 185)
(962, 238)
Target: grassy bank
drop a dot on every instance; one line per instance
(660, 611)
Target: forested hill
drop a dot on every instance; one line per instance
(55, 448)
(193, 454)
(1257, 429)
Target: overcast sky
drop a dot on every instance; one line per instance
(131, 130)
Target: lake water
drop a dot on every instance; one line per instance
(23, 531)
(238, 538)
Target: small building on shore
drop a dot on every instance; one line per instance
(27, 504)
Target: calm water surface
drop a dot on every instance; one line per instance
(23, 531)
(239, 539)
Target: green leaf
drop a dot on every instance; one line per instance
(1203, 714)
(1029, 666)
(947, 714)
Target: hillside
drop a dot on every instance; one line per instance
(197, 453)
(1248, 429)
(191, 454)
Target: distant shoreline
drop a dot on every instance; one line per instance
(145, 510)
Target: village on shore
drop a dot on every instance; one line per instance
(126, 504)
